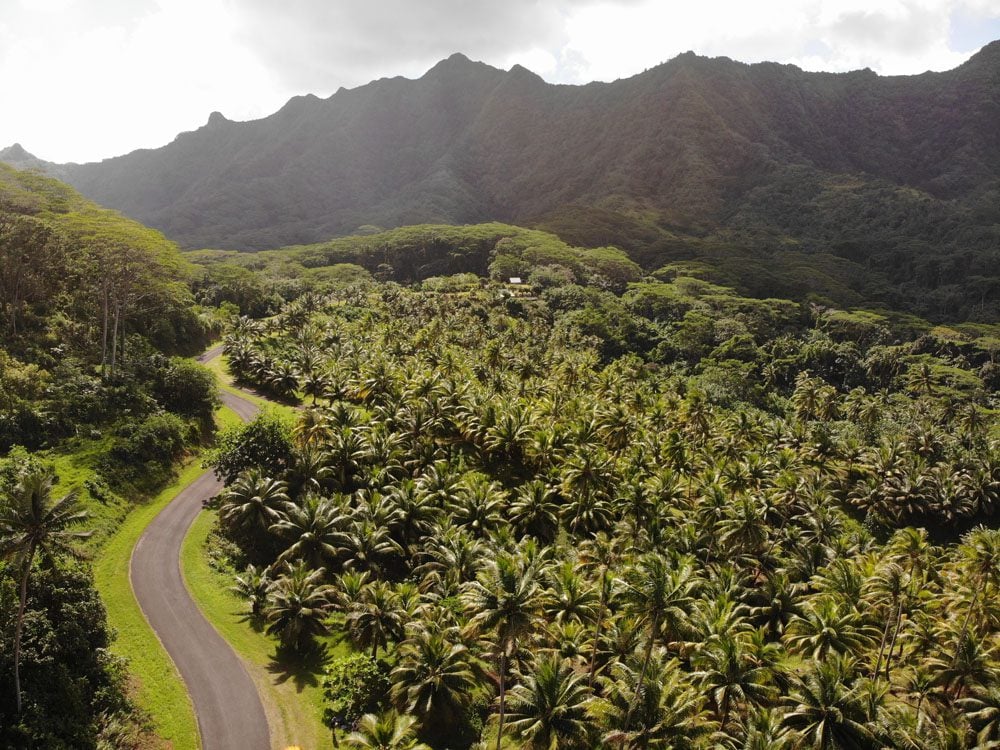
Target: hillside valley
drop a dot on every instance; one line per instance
(889, 186)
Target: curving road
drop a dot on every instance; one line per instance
(226, 702)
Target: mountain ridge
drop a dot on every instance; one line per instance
(888, 170)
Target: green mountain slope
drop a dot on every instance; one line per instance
(899, 175)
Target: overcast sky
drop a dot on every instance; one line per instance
(81, 80)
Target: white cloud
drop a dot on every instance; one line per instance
(82, 93)
(890, 36)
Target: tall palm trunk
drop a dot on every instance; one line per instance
(598, 627)
(881, 649)
(653, 629)
(503, 684)
(895, 635)
(19, 625)
(965, 625)
(104, 333)
(114, 339)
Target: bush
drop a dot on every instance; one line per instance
(143, 453)
(265, 442)
(159, 438)
(187, 388)
(70, 683)
(354, 686)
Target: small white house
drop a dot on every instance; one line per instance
(515, 279)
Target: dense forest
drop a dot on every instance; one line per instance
(94, 413)
(569, 513)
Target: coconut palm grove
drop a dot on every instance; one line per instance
(507, 488)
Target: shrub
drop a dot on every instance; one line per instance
(187, 388)
(354, 686)
(265, 442)
(143, 453)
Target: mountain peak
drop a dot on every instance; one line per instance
(217, 118)
(522, 72)
(15, 152)
(457, 64)
(697, 142)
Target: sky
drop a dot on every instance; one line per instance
(82, 80)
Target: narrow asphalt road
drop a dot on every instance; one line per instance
(226, 702)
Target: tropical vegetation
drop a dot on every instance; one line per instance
(658, 515)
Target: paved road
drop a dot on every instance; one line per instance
(230, 714)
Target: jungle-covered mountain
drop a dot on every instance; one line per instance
(878, 181)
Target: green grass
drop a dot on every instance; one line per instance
(75, 462)
(226, 418)
(292, 693)
(158, 686)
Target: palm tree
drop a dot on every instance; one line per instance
(434, 677)
(415, 513)
(369, 545)
(889, 586)
(973, 663)
(283, 379)
(313, 530)
(775, 603)
(982, 708)
(923, 379)
(377, 618)
(309, 470)
(729, 673)
(826, 627)
(549, 708)
(661, 596)
(509, 437)
(535, 510)
(807, 396)
(450, 560)
(315, 384)
(826, 709)
(312, 428)
(980, 552)
(252, 502)
(298, 606)
(570, 639)
(31, 523)
(389, 731)
(763, 730)
(744, 530)
(478, 504)
(505, 601)
(571, 597)
(601, 552)
(666, 712)
(253, 586)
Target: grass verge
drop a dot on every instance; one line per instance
(159, 688)
(292, 693)
(225, 380)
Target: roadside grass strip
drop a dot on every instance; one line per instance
(292, 693)
(159, 689)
